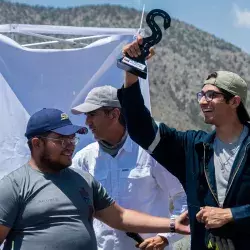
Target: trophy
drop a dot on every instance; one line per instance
(137, 65)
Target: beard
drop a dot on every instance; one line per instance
(50, 163)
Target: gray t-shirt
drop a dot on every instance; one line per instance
(50, 211)
(224, 156)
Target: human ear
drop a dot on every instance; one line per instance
(115, 113)
(36, 142)
(235, 101)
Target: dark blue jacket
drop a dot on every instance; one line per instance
(187, 155)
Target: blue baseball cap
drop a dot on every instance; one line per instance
(53, 120)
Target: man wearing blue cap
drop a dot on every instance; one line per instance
(47, 205)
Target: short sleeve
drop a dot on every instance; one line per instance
(9, 201)
(101, 197)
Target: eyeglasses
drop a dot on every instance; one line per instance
(209, 95)
(64, 142)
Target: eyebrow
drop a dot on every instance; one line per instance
(54, 135)
(64, 137)
(91, 112)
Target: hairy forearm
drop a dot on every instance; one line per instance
(142, 223)
(130, 79)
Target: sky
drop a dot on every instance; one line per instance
(226, 19)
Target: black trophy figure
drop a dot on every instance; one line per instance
(137, 66)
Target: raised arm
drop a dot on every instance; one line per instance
(167, 145)
(136, 114)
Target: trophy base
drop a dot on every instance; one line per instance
(133, 67)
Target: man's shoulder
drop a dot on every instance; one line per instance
(91, 146)
(80, 173)
(17, 173)
(16, 177)
(187, 137)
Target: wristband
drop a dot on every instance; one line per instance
(172, 225)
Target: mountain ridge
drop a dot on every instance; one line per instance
(184, 57)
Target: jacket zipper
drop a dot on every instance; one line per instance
(207, 178)
(238, 167)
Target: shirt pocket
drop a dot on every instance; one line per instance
(101, 175)
(133, 184)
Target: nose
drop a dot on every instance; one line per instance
(69, 144)
(202, 100)
(88, 120)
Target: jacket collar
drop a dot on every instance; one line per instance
(206, 140)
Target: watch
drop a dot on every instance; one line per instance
(172, 225)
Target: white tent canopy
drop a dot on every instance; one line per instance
(31, 79)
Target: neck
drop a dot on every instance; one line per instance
(37, 165)
(115, 135)
(229, 132)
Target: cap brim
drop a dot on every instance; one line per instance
(84, 108)
(70, 130)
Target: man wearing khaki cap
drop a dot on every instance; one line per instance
(214, 168)
(131, 176)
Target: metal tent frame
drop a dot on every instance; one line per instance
(85, 33)
(47, 32)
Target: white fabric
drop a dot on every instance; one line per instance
(13, 148)
(136, 181)
(155, 142)
(34, 79)
(65, 30)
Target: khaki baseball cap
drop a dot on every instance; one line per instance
(104, 96)
(232, 83)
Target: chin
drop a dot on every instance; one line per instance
(208, 120)
(57, 167)
(97, 138)
(66, 164)
(56, 164)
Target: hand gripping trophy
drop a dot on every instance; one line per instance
(137, 66)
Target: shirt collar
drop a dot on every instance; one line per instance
(127, 147)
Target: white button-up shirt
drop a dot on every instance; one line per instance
(136, 181)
